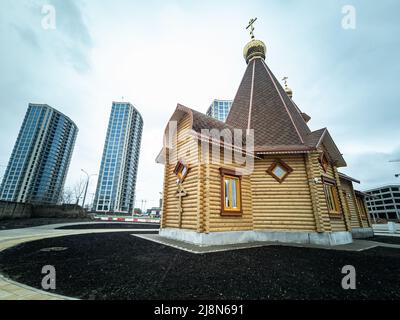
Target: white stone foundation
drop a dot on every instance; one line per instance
(233, 237)
(359, 233)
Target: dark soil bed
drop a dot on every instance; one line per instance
(112, 225)
(386, 239)
(122, 266)
(35, 222)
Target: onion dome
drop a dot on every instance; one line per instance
(288, 91)
(255, 48)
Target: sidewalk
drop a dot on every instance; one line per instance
(11, 290)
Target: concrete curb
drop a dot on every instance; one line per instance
(30, 291)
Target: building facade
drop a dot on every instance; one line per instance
(219, 109)
(118, 171)
(276, 181)
(40, 159)
(384, 202)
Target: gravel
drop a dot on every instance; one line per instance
(122, 266)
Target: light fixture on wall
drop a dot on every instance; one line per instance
(317, 180)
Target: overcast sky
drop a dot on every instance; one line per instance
(156, 54)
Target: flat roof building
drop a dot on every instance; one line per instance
(384, 202)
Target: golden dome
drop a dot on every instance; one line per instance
(255, 48)
(289, 92)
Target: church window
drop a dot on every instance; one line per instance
(279, 170)
(231, 197)
(332, 198)
(361, 207)
(181, 170)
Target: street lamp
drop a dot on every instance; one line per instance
(87, 185)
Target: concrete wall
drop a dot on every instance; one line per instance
(58, 211)
(14, 210)
(17, 210)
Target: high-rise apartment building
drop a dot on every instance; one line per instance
(39, 161)
(117, 178)
(219, 109)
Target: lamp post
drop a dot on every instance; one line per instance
(87, 185)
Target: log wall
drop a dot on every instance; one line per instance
(296, 204)
(186, 149)
(286, 205)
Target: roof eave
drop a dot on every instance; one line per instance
(333, 150)
(346, 177)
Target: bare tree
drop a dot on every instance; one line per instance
(78, 189)
(67, 196)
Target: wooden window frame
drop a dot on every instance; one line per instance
(361, 207)
(331, 183)
(178, 170)
(232, 174)
(278, 162)
(323, 160)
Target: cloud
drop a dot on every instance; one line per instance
(38, 65)
(73, 38)
(27, 36)
(374, 168)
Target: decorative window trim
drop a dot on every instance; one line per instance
(328, 180)
(233, 174)
(178, 171)
(323, 160)
(331, 183)
(278, 162)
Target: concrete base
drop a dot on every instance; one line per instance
(233, 237)
(360, 233)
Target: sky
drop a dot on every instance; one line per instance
(156, 54)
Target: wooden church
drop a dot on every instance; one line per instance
(292, 192)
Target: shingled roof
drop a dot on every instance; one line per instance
(262, 104)
(203, 125)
